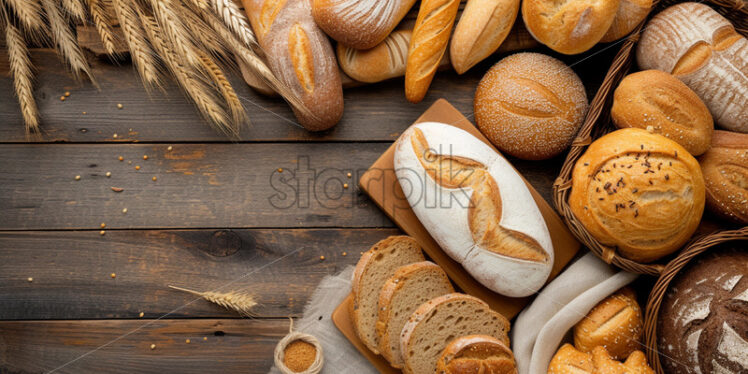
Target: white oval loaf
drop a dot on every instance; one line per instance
(476, 206)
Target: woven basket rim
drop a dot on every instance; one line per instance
(657, 294)
(598, 112)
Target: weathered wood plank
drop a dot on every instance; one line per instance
(71, 270)
(232, 346)
(198, 185)
(373, 113)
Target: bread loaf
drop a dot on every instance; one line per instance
(301, 56)
(702, 326)
(386, 60)
(630, 13)
(476, 354)
(701, 48)
(427, 45)
(374, 268)
(725, 168)
(476, 206)
(640, 192)
(615, 323)
(482, 28)
(530, 105)
(437, 322)
(359, 24)
(411, 286)
(569, 360)
(657, 101)
(569, 26)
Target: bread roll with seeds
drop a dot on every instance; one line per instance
(636, 363)
(657, 101)
(615, 323)
(725, 168)
(481, 354)
(530, 105)
(569, 360)
(630, 13)
(638, 191)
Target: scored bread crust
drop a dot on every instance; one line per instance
(425, 309)
(487, 352)
(356, 283)
(725, 168)
(630, 13)
(390, 288)
(384, 61)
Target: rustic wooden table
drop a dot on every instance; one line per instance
(218, 212)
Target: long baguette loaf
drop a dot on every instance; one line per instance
(301, 56)
(476, 206)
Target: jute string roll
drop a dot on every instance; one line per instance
(293, 336)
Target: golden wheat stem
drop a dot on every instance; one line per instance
(75, 9)
(65, 41)
(236, 21)
(103, 22)
(204, 34)
(29, 12)
(142, 55)
(238, 301)
(175, 31)
(224, 86)
(21, 69)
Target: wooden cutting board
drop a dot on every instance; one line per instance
(381, 184)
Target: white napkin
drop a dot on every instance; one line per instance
(539, 329)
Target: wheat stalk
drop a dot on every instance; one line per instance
(176, 33)
(204, 34)
(103, 22)
(29, 12)
(75, 9)
(65, 42)
(140, 51)
(20, 68)
(238, 301)
(224, 86)
(236, 21)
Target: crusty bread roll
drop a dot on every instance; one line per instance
(701, 48)
(630, 13)
(386, 60)
(411, 286)
(569, 26)
(476, 206)
(615, 323)
(359, 24)
(530, 105)
(569, 360)
(638, 191)
(435, 323)
(482, 28)
(657, 101)
(725, 168)
(427, 45)
(476, 354)
(301, 56)
(374, 268)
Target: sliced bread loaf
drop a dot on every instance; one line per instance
(411, 286)
(439, 321)
(373, 269)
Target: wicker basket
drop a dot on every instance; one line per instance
(660, 288)
(597, 123)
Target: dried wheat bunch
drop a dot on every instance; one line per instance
(238, 301)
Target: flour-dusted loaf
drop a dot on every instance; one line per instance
(439, 321)
(359, 24)
(476, 206)
(301, 56)
(702, 326)
(411, 286)
(374, 268)
(476, 354)
(701, 48)
(725, 168)
(630, 13)
(638, 191)
(482, 28)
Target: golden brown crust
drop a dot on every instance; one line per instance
(657, 101)
(384, 61)
(568, 360)
(725, 168)
(615, 323)
(476, 354)
(630, 13)
(636, 363)
(638, 191)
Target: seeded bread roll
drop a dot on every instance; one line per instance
(530, 105)
(411, 286)
(569, 360)
(657, 101)
(615, 323)
(569, 26)
(725, 168)
(630, 13)
(476, 354)
(640, 192)
(437, 322)
(374, 268)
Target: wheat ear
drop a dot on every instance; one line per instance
(20, 68)
(103, 22)
(224, 86)
(236, 21)
(175, 31)
(75, 9)
(65, 42)
(29, 12)
(140, 51)
(237, 301)
(206, 36)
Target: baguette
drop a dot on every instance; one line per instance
(427, 45)
(301, 56)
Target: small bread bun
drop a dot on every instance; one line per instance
(657, 101)
(569, 360)
(725, 168)
(530, 105)
(630, 13)
(638, 191)
(636, 363)
(476, 354)
(569, 26)
(615, 323)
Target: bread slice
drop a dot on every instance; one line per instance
(411, 286)
(439, 321)
(373, 269)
